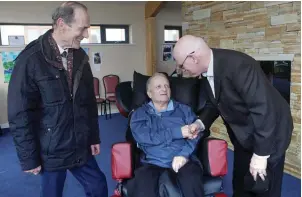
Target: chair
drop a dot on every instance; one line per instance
(110, 82)
(122, 91)
(99, 100)
(125, 156)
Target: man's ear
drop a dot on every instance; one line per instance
(61, 24)
(194, 58)
(149, 94)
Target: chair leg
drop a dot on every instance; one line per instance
(105, 109)
(110, 109)
(101, 109)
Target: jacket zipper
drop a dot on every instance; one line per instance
(73, 100)
(71, 97)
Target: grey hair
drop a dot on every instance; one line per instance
(66, 12)
(152, 77)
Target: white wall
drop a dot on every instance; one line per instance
(121, 60)
(170, 14)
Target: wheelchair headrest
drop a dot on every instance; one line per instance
(184, 90)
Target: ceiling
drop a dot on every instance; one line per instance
(173, 4)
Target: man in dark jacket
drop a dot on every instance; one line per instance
(167, 132)
(257, 117)
(52, 109)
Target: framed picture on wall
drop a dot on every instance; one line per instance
(16, 40)
(167, 50)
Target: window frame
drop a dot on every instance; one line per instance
(94, 43)
(171, 27)
(103, 28)
(103, 34)
(20, 24)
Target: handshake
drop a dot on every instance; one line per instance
(191, 131)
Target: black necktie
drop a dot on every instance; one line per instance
(64, 54)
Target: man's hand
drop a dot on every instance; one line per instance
(34, 171)
(258, 166)
(178, 162)
(190, 131)
(185, 130)
(194, 130)
(95, 149)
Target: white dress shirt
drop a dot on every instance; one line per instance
(210, 77)
(201, 125)
(210, 74)
(64, 60)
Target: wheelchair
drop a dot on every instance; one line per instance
(125, 156)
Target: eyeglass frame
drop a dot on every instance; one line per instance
(181, 66)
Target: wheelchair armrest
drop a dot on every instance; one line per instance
(121, 161)
(213, 157)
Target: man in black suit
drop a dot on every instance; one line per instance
(257, 118)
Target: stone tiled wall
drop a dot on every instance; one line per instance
(256, 28)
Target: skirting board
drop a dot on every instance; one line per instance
(113, 111)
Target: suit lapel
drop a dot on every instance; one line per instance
(217, 75)
(207, 86)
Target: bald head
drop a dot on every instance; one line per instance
(186, 45)
(154, 77)
(158, 88)
(192, 55)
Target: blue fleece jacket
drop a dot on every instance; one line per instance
(159, 135)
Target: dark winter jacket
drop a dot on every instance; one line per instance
(52, 125)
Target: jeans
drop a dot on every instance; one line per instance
(89, 175)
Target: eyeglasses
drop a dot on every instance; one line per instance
(180, 67)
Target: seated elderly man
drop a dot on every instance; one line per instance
(167, 132)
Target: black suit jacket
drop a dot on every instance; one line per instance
(255, 114)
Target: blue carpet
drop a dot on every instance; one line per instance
(14, 183)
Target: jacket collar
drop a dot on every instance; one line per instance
(210, 72)
(50, 49)
(51, 52)
(170, 107)
(149, 107)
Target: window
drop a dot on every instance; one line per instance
(172, 33)
(111, 34)
(33, 32)
(278, 73)
(10, 31)
(98, 34)
(94, 35)
(29, 32)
